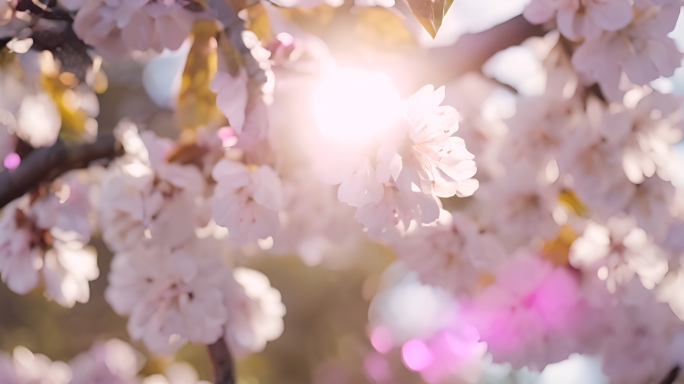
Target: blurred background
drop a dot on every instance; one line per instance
(328, 333)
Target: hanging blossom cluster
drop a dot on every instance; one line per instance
(173, 277)
(537, 224)
(570, 243)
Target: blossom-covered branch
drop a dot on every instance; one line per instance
(45, 164)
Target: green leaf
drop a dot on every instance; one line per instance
(429, 13)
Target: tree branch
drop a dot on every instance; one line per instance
(223, 363)
(472, 50)
(671, 377)
(45, 164)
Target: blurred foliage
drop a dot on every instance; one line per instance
(558, 249)
(196, 102)
(257, 21)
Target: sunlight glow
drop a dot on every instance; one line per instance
(351, 104)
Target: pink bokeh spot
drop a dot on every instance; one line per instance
(416, 355)
(285, 39)
(381, 339)
(376, 367)
(12, 161)
(227, 136)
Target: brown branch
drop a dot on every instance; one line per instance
(224, 372)
(472, 50)
(45, 164)
(49, 11)
(62, 41)
(671, 376)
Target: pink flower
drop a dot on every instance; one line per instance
(526, 316)
(247, 200)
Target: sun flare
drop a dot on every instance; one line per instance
(353, 104)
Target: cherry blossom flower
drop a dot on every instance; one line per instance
(527, 315)
(24, 367)
(617, 252)
(654, 125)
(247, 200)
(452, 253)
(577, 19)
(642, 51)
(416, 162)
(636, 343)
(39, 120)
(594, 160)
(44, 240)
(107, 362)
(141, 198)
(171, 294)
(116, 27)
(255, 312)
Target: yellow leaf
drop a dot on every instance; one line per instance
(430, 14)
(73, 117)
(382, 27)
(257, 21)
(558, 249)
(569, 200)
(196, 105)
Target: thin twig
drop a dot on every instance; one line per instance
(671, 376)
(222, 361)
(45, 164)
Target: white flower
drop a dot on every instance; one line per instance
(617, 252)
(24, 367)
(143, 196)
(430, 154)
(39, 120)
(247, 200)
(653, 126)
(594, 160)
(20, 261)
(45, 238)
(579, 19)
(67, 270)
(414, 163)
(255, 312)
(171, 295)
(107, 362)
(451, 254)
